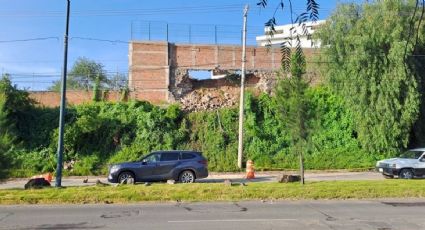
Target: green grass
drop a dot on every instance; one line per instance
(217, 192)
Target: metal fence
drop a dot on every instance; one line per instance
(193, 33)
(42, 82)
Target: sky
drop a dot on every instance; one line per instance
(32, 31)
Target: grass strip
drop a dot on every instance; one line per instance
(159, 192)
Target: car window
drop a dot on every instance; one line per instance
(152, 158)
(186, 156)
(412, 154)
(169, 156)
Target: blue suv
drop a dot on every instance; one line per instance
(179, 165)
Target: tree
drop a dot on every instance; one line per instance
(291, 96)
(6, 123)
(6, 139)
(371, 60)
(17, 103)
(83, 75)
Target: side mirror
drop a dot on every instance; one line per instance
(144, 162)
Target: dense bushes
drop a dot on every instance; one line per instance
(100, 133)
(13, 106)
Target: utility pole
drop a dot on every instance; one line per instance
(58, 182)
(241, 99)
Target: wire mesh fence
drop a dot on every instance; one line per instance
(51, 82)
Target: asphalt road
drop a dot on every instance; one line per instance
(220, 177)
(376, 215)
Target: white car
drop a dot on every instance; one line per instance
(409, 165)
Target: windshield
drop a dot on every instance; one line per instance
(411, 154)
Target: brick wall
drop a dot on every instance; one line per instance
(225, 57)
(150, 63)
(52, 99)
(149, 71)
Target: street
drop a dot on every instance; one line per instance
(350, 214)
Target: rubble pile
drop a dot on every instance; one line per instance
(181, 84)
(202, 100)
(267, 81)
(195, 95)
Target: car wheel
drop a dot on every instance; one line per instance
(406, 174)
(187, 177)
(388, 176)
(126, 178)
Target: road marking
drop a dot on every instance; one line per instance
(229, 220)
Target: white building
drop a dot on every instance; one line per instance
(285, 34)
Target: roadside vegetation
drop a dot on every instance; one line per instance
(101, 133)
(265, 191)
(369, 105)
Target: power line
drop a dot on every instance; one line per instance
(125, 12)
(100, 40)
(29, 39)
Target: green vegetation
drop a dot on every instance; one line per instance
(370, 105)
(291, 96)
(217, 192)
(5, 137)
(374, 61)
(100, 133)
(84, 74)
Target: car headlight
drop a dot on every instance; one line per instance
(114, 169)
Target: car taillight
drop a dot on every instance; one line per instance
(204, 162)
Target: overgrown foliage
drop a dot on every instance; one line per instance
(5, 137)
(14, 104)
(364, 48)
(100, 133)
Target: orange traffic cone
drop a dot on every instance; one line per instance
(48, 177)
(250, 169)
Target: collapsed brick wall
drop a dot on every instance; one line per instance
(199, 95)
(159, 73)
(162, 68)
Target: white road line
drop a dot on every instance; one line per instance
(229, 220)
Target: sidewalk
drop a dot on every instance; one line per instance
(219, 178)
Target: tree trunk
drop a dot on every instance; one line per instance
(301, 167)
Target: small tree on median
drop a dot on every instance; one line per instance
(290, 94)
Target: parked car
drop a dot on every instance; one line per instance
(179, 165)
(409, 165)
